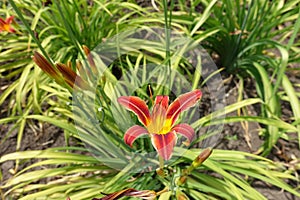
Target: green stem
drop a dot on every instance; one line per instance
(20, 15)
(168, 35)
(161, 162)
(160, 170)
(69, 28)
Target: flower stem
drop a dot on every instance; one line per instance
(161, 162)
(162, 191)
(160, 170)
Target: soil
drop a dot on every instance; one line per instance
(33, 139)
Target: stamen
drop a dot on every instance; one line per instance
(151, 95)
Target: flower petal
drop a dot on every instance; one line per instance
(164, 144)
(138, 106)
(2, 23)
(11, 30)
(158, 118)
(5, 25)
(162, 100)
(186, 130)
(133, 133)
(182, 103)
(9, 20)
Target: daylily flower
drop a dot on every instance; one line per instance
(160, 124)
(5, 25)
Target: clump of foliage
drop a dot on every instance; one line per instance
(86, 90)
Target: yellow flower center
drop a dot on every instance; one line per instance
(6, 27)
(159, 124)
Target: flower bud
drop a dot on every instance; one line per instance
(47, 67)
(202, 157)
(181, 196)
(90, 59)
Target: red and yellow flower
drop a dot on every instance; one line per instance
(5, 25)
(160, 123)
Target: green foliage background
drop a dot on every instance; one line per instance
(243, 34)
